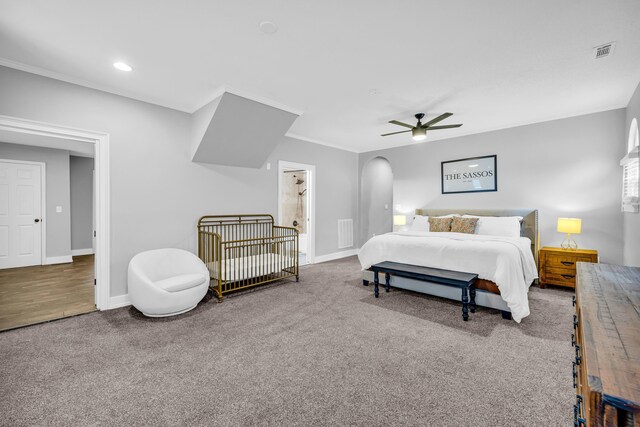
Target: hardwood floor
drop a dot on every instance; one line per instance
(40, 293)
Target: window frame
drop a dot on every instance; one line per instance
(630, 203)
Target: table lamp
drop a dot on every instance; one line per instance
(399, 220)
(569, 226)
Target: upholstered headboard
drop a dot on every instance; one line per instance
(528, 226)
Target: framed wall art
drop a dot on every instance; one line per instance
(472, 175)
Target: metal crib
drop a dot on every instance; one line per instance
(242, 251)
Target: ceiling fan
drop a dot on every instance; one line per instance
(419, 131)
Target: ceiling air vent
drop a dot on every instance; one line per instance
(604, 50)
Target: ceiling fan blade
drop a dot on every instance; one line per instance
(393, 133)
(395, 122)
(437, 119)
(443, 127)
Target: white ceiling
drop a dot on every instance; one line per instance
(493, 63)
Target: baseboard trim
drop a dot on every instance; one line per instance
(119, 301)
(79, 252)
(335, 255)
(58, 260)
(123, 300)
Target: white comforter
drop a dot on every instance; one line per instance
(506, 261)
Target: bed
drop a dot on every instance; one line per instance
(506, 266)
(242, 251)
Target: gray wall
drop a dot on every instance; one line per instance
(58, 225)
(81, 172)
(631, 219)
(376, 198)
(567, 167)
(157, 193)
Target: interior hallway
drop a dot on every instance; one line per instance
(40, 293)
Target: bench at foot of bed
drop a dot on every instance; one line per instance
(506, 314)
(484, 297)
(464, 281)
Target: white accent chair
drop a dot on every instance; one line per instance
(166, 282)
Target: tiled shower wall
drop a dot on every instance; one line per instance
(294, 206)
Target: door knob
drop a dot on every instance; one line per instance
(36, 220)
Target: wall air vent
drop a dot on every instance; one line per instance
(604, 50)
(345, 233)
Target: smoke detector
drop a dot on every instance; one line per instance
(268, 27)
(604, 50)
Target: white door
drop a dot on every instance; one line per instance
(20, 214)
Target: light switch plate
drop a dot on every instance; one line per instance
(58, 209)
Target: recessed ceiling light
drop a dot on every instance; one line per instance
(122, 66)
(268, 27)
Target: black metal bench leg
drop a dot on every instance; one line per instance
(387, 282)
(365, 282)
(506, 315)
(472, 292)
(376, 282)
(465, 304)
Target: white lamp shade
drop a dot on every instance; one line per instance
(570, 225)
(399, 220)
(419, 134)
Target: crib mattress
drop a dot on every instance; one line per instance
(242, 268)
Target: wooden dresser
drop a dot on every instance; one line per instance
(558, 266)
(606, 370)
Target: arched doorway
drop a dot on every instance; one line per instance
(376, 200)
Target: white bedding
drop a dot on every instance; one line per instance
(242, 268)
(506, 261)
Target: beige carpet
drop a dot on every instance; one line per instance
(322, 351)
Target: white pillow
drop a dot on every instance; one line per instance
(420, 223)
(507, 226)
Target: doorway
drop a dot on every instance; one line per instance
(89, 249)
(376, 198)
(46, 233)
(296, 207)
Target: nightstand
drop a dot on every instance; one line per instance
(558, 266)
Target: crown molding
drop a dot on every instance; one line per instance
(250, 96)
(221, 90)
(317, 141)
(91, 85)
(174, 106)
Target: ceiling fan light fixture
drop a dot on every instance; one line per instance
(419, 131)
(419, 134)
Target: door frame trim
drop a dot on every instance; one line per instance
(100, 140)
(282, 166)
(43, 204)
